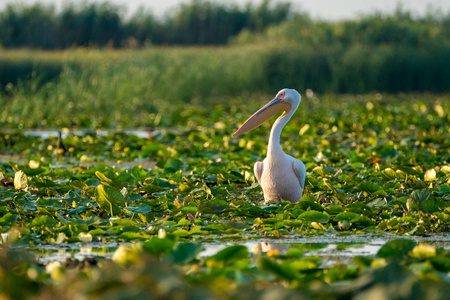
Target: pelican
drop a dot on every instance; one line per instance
(281, 176)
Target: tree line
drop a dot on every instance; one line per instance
(205, 22)
(272, 46)
(104, 24)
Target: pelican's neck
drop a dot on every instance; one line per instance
(274, 147)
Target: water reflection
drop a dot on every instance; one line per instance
(50, 253)
(322, 249)
(330, 249)
(265, 247)
(45, 134)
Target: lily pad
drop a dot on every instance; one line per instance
(314, 216)
(109, 198)
(396, 248)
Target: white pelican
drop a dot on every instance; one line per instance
(281, 176)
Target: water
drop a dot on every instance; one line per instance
(49, 253)
(331, 248)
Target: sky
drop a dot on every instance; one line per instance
(320, 9)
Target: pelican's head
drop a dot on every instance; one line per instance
(291, 96)
(284, 101)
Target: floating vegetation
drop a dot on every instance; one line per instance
(371, 170)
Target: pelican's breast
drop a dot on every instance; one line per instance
(279, 182)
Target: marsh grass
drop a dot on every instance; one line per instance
(107, 88)
(124, 86)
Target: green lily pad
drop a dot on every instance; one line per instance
(141, 209)
(230, 254)
(314, 216)
(396, 248)
(109, 198)
(186, 252)
(157, 246)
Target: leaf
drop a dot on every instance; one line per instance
(9, 219)
(363, 221)
(444, 188)
(334, 209)
(213, 170)
(181, 232)
(347, 216)
(252, 211)
(141, 209)
(96, 232)
(33, 171)
(430, 206)
(388, 173)
(184, 222)
(127, 254)
(78, 184)
(139, 173)
(175, 164)
(157, 246)
(378, 202)
(396, 248)
(421, 195)
(85, 237)
(441, 263)
(294, 253)
(318, 170)
(131, 236)
(445, 169)
(124, 193)
(360, 208)
(362, 261)
(43, 220)
(303, 129)
(370, 187)
(184, 188)
(231, 253)
(152, 148)
(443, 217)
(105, 180)
(20, 181)
(314, 216)
(302, 265)
(430, 175)
(186, 252)
(309, 203)
(109, 198)
(214, 207)
(284, 271)
(189, 209)
(423, 251)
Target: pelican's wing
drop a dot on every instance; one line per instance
(258, 169)
(300, 171)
